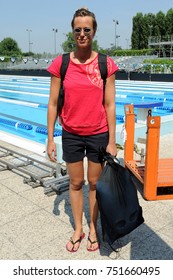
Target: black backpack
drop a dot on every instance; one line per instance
(102, 61)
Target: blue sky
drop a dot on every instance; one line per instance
(41, 16)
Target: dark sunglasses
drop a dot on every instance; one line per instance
(86, 30)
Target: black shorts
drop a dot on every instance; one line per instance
(76, 147)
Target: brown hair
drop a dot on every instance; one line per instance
(83, 12)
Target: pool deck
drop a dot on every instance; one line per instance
(34, 226)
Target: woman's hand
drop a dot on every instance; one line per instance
(112, 149)
(51, 150)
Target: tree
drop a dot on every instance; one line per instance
(137, 32)
(9, 47)
(169, 22)
(69, 44)
(147, 25)
(160, 19)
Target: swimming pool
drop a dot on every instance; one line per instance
(23, 103)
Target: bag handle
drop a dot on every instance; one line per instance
(105, 156)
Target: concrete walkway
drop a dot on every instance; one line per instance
(34, 226)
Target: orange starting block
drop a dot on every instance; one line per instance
(155, 174)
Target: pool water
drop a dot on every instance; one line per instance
(23, 103)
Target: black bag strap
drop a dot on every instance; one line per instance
(102, 61)
(63, 70)
(64, 66)
(105, 156)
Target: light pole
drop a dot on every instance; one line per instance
(118, 36)
(29, 39)
(116, 23)
(55, 30)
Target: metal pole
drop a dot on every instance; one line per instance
(55, 30)
(118, 36)
(29, 39)
(116, 22)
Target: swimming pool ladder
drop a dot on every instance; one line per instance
(155, 174)
(39, 171)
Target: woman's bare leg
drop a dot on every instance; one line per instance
(94, 171)
(76, 174)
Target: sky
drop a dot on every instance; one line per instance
(42, 16)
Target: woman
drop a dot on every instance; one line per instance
(87, 121)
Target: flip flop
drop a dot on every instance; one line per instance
(92, 242)
(72, 250)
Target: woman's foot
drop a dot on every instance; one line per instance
(74, 243)
(92, 244)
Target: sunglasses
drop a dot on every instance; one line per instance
(86, 31)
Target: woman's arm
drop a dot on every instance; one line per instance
(52, 116)
(109, 103)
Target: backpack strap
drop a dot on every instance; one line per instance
(63, 70)
(102, 61)
(64, 65)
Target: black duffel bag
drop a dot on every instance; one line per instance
(117, 198)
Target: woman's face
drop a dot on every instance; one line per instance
(83, 31)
